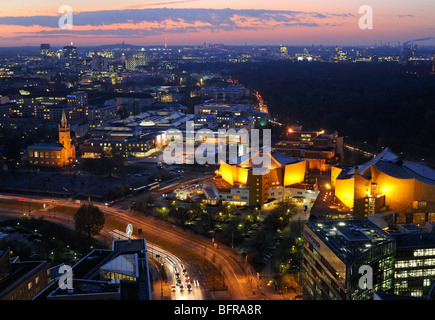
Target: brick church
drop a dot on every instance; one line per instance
(53, 154)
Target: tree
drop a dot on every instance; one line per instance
(89, 220)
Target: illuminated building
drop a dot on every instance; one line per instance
(335, 250)
(44, 49)
(321, 149)
(70, 55)
(99, 114)
(22, 280)
(414, 260)
(230, 115)
(217, 107)
(53, 154)
(229, 93)
(283, 50)
(121, 273)
(77, 99)
(242, 184)
(138, 60)
(387, 183)
(99, 63)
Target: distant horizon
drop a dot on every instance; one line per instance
(376, 45)
(191, 22)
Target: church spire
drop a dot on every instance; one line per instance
(63, 121)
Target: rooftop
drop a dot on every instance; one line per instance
(264, 156)
(349, 238)
(46, 146)
(414, 240)
(86, 287)
(393, 165)
(18, 271)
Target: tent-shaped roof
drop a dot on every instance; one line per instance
(123, 264)
(393, 165)
(385, 155)
(265, 155)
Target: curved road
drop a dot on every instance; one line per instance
(224, 258)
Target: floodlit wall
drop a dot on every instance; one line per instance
(335, 171)
(242, 175)
(232, 174)
(361, 192)
(228, 173)
(399, 193)
(344, 191)
(425, 195)
(295, 173)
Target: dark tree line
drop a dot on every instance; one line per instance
(373, 105)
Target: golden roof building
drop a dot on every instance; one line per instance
(258, 178)
(387, 183)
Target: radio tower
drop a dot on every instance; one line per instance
(166, 43)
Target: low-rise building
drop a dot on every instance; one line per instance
(321, 149)
(22, 280)
(120, 273)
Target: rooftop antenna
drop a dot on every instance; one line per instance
(129, 231)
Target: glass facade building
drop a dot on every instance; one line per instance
(339, 255)
(414, 264)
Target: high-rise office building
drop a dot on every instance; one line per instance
(283, 50)
(138, 60)
(70, 52)
(338, 253)
(414, 273)
(44, 49)
(70, 55)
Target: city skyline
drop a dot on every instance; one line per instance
(198, 21)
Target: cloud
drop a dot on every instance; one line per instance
(155, 4)
(154, 21)
(405, 16)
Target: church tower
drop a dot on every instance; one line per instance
(64, 133)
(68, 151)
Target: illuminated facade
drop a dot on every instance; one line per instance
(120, 273)
(53, 154)
(335, 250)
(22, 280)
(415, 263)
(259, 178)
(387, 183)
(321, 149)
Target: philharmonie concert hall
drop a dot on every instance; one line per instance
(241, 182)
(387, 183)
